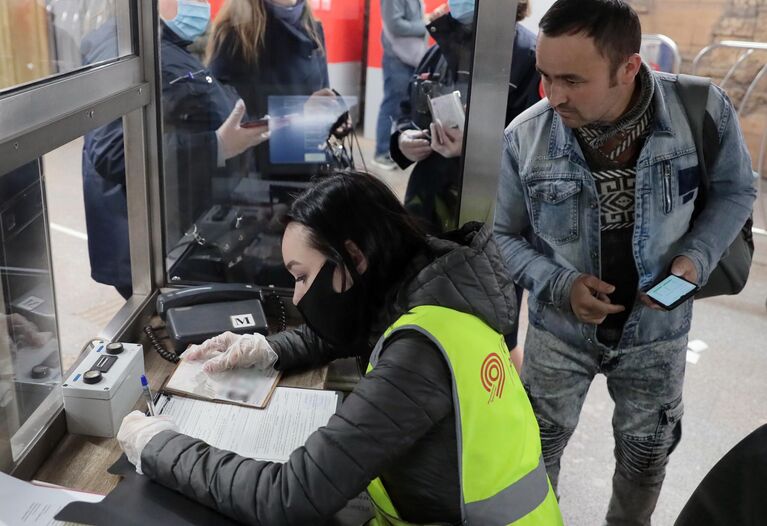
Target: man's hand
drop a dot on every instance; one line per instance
(234, 138)
(448, 142)
(588, 298)
(414, 145)
(683, 267)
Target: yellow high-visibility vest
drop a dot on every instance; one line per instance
(502, 475)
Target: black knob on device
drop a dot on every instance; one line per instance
(40, 371)
(92, 377)
(114, 348)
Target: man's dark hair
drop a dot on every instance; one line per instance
(359, 207)
(613, 25)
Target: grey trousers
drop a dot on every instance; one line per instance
(645, 382)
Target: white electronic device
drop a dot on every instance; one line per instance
(103, 388)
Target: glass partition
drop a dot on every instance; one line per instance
(309, 109)
(87, 219)
(44, 38)
(30, 367)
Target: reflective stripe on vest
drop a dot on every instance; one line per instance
(501, 472)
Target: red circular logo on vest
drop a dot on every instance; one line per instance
(493, 376)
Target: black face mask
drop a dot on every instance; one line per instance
(338, 317)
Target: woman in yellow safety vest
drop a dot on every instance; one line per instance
(439, 430)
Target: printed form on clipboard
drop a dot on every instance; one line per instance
(249, 387)
(448, 109)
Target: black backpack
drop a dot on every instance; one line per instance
(731, 273)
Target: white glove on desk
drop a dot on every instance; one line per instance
(137, 430)
(230, 350)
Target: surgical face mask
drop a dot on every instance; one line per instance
(291, 15)
(192, 19)
(462, 10)
(335, 316)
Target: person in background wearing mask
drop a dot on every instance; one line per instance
(439, 429)
(268, 47)
(202, 139)
(403, 37)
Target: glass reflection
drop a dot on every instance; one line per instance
(30, 367)
(39, 39)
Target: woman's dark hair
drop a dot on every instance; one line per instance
(613, 25)
(359, 207)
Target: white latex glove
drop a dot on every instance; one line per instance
(448, 142)
(414, 145)
(234, 138)
(137, 430)
(229, 351)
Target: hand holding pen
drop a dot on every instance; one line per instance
(148, 396)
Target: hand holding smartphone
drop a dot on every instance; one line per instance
(672, 292)
(264, 121)
(272, 122)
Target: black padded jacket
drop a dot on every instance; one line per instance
(397, 423)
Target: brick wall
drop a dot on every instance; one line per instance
(695, 24)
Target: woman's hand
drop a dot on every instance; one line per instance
(448, 142)
(230, 351)
(137, 430)
(234, 138)
(414, 145)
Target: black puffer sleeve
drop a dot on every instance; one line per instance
(302, 348)
(391, 409)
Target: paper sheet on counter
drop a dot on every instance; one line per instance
(26, 504)
(263, 434)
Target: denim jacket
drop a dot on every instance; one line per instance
(547, 220)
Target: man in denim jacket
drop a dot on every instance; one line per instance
(596, 196)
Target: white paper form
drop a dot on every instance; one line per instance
(249, 386)
(26, 504)
(263, 434)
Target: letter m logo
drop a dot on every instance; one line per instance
(240, 321)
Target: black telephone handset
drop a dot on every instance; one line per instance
(212, 293)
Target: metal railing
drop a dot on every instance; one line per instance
(661, 52)
(748, 49)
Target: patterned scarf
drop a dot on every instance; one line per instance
(613, 140)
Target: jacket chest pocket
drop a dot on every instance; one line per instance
(554, 209)
(679, 181)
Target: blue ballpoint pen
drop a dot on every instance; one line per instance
(147, 395)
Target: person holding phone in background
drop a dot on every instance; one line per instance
(203, 138)
(403, 37)
(596, 195)
(434, 185)
(439, 430)
(268, 47)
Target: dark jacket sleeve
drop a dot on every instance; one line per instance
(394, 406)
(302, 348)
(104, 147)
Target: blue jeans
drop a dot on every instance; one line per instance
(645, 382)
(396, 75)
